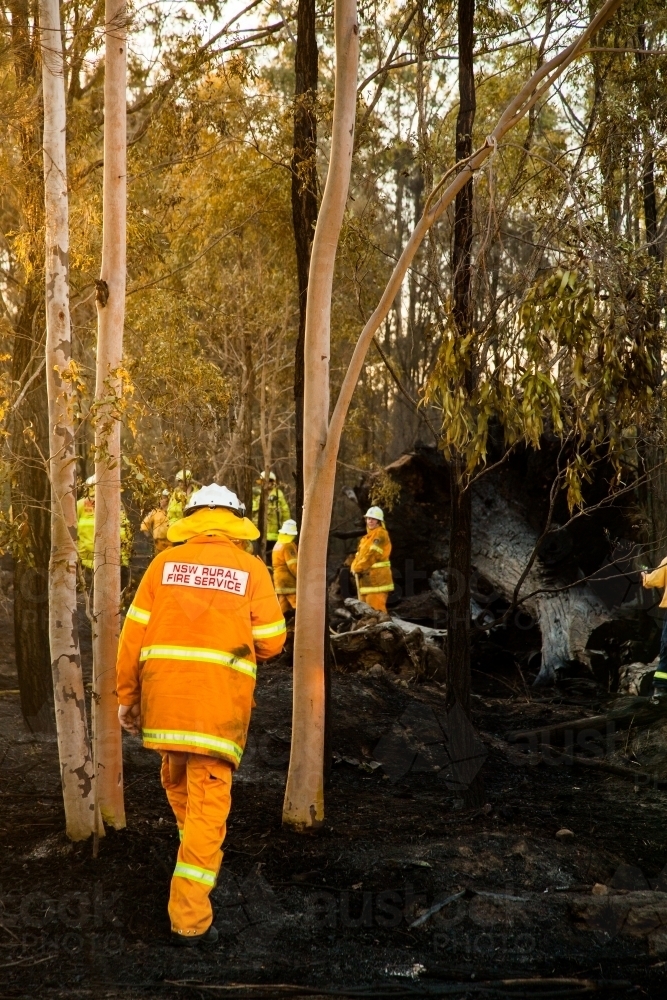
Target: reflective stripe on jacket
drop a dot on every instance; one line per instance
(371, 563)
(284, 558)
(204, 614)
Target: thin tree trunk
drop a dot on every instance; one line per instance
(304, 794)
(656, 490)
(111, 316)
(247, 476)
(458, 630)
(304, 200)
(266, 442)
(76, 765)
(30, 489)
(304, 805)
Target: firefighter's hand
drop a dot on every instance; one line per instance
(129, 717)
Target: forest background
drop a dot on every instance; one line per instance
(567, 250)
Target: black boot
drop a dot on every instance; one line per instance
(208, 939)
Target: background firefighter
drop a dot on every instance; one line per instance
(180, 495)
(371, 565)
(85, 518)
(203, 615)
(156, 524)
(658, 579)
(277, 508)
(284, 559)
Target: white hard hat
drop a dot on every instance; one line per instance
(166, 493)
(183, 474)
(214, 496)
(289, 528)
(272, 476)
(375, 512)
(90, 481)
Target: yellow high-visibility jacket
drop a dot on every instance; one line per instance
(205, 613)
(371, 563)
(277, 510)
(177, 502)
(658, 578)
(85, 512)
(284, 558)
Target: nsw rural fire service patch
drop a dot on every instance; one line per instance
(211, 578)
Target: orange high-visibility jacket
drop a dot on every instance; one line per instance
(284, 558)
(204, 614)
(371, 563)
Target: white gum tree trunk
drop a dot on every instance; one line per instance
(76, 766)
(111, 316)
(304, 794)
(304, 798)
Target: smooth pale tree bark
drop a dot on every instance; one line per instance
(304, 805)
(111, 316)
(304, 794)
(76, 765)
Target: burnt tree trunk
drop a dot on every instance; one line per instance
(30, 490)
(653, 457)
(304, 200)
(458, 636)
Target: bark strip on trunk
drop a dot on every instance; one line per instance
(304, 201)
(76, 765)
(304, 794)
(111, 317)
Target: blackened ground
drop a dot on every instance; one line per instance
(334, 910)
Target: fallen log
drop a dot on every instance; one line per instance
(642, 711)
(509, 510)
(639, 777)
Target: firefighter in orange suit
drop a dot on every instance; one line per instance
(371, 565)
(203, 615)
(284, 558)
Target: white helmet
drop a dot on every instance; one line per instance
(214, 496)
(289, 528)
(183, 474)
(375, 512)
(272, 476)
(90, 481)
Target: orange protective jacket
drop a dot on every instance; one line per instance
(284, 558)
(371, 564)
(203, 615)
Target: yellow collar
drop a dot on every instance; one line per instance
(217, 523)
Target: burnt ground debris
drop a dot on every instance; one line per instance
(336, 911)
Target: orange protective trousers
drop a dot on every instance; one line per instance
(377, 601)
(199, 790)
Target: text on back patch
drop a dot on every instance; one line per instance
(216, 578)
